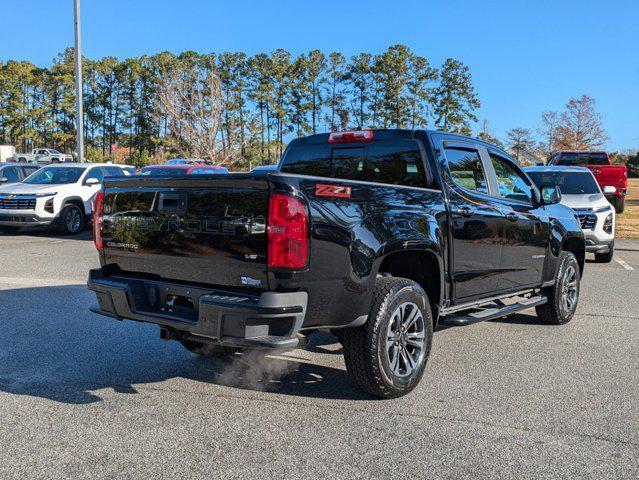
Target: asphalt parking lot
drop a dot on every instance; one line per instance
(84, 396)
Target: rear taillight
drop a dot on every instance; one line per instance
(353, 136)
(287, 232)
(98, 205)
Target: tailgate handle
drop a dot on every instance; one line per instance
(172, 202)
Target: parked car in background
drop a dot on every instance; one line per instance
(181, 169)
(188, 161)
(376, 235)
(43, 156)
(55, 195)
(177, 161)
(613, 179)
(580, 191)
(16, 172)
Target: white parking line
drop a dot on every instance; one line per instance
(623, 264)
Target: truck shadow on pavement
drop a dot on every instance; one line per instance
(52, 347)
(48, 232)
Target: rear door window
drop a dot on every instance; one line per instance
(466, 169)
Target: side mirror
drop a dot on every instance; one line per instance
(4, 179)
(90, 182)
(608, 189)
(550, 195)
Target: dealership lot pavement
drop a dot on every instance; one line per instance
(85, 396)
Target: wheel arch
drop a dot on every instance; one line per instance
(423, 266)
(77, 201)
(577, 247)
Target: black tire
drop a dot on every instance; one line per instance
(207, 349)
(555, 311)
(605, 257)
(366, 349)
(72, 220)
(22, 160)
(620, 205)
(9, 230)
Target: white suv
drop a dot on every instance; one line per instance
(580, 191)
(59, 195)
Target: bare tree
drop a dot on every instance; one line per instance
(191, 100)
(580, 126)
(521, 142)
(487, 135)
(549, 130)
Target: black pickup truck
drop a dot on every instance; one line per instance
(376, 235)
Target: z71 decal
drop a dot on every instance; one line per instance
(339, 191)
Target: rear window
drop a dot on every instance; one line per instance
(396, 162)
(582, 159)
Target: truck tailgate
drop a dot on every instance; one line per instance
(204, 229)
(615, 175)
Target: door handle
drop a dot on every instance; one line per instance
(465, 212)
(512, 216)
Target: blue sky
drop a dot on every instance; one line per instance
(525, 56)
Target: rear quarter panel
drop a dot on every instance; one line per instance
(351, 236)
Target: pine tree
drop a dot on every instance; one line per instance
(455, 98)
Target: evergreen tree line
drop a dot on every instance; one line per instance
(230, 107)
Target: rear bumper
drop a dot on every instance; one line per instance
(268, 320)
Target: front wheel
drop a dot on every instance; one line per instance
(563, 296)
(72, 220)
(207, 349)
(387, 355)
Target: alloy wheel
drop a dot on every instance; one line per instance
(405, 339)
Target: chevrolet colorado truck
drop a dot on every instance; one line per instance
(43, 156)
(376, 235)
(613, 179)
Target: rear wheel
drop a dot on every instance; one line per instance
(387, 355)
(563, 296)
(605, 257)
(620, 205)
(207, 349)
(9, 230)
(72, 220)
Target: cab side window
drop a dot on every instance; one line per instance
(512, 184)
(466, 169)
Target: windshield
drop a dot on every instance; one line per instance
(162, 171)
(55, 176)
(570, 183)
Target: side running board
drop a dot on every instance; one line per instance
(490, 313)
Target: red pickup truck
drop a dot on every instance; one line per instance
(613, 179)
